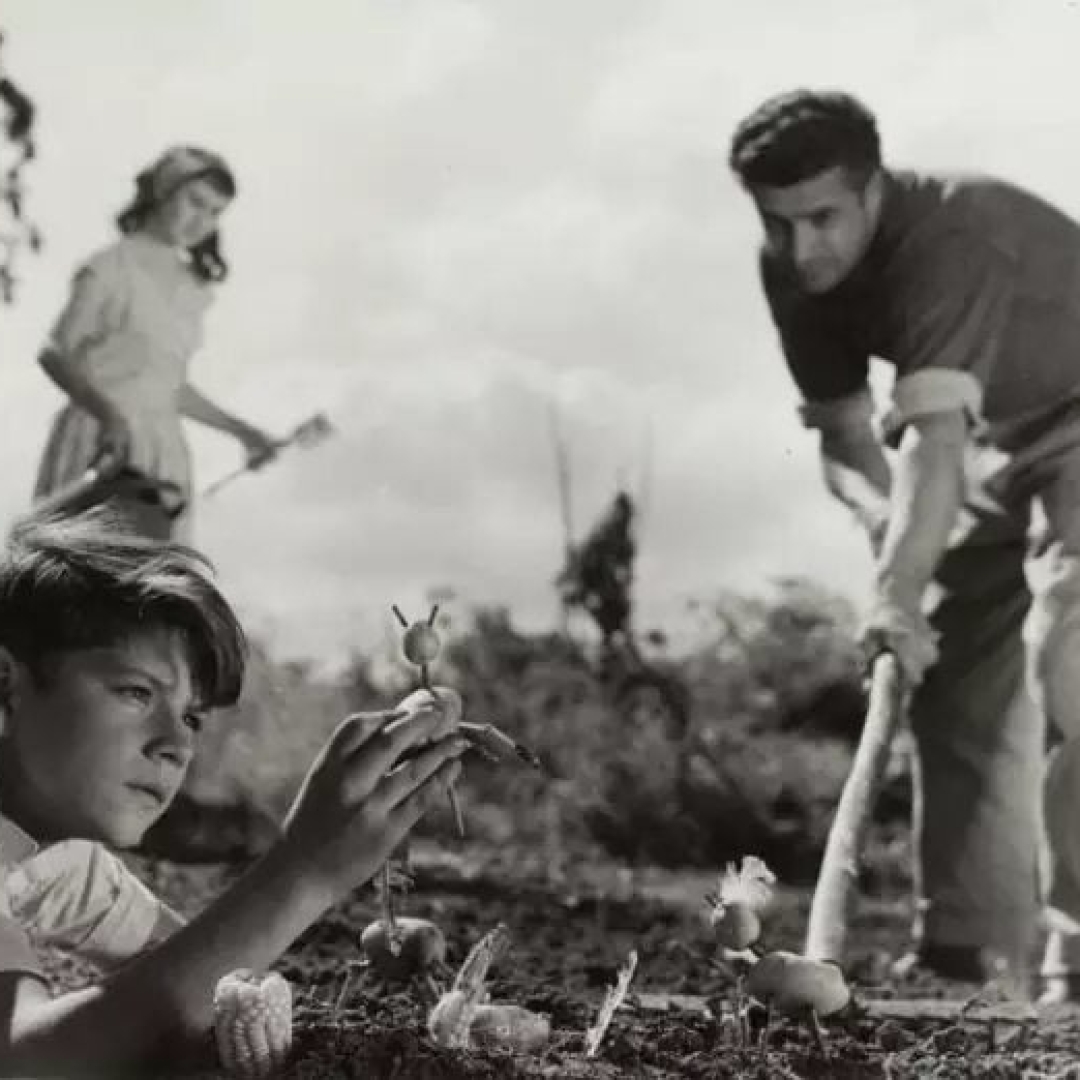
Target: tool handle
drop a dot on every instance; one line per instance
(79, 493)
(837, 880)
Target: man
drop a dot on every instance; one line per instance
(599, 572)
(971, 288)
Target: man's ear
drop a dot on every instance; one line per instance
(874, 193)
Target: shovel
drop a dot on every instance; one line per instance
(837, 883)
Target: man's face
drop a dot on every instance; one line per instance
(190, 214)
(820, 228)
(99, 745)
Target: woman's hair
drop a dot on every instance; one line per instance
(176, 167)
(798, 134)
(82, 581)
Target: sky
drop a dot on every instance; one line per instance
(457, 215)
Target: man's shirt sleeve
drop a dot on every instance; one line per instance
(832, 376)
(949, 313)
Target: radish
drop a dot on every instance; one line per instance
(420, 644)
(509, 1027)
(421, 948)
(463, 1016)
(737, 904)
(796, 984)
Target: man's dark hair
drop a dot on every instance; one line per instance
(87, 581)
(798, 134)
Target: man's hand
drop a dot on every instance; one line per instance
(360, 799)
(876, 523)
(897, 625)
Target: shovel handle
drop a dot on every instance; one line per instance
(834, 894)
(79, 493)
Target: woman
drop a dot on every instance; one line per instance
(121, 349)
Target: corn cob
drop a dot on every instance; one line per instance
(252, 1023)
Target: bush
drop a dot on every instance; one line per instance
(777, 705)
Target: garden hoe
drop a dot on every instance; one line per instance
(87, 490)
(837, 883)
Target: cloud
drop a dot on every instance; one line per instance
(453, 212)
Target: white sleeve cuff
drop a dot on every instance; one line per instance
(857, 408)
(933, 390)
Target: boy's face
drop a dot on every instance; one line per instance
(99, 746)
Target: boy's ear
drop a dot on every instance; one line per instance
(9, 672)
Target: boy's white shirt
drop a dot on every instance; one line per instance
(77, 895)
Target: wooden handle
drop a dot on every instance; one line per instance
(80, 493)
(830, 909)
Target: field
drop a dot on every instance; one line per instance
(613, 848)
(567, 943)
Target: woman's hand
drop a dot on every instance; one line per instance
(114, 436)
(260, 447)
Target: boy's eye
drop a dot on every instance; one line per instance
(194, 721)
(140, 694)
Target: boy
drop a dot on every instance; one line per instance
(969, 287)
(113, 648)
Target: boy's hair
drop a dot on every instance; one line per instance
(798, 134)
(82, 581)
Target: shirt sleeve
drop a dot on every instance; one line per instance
(77, 895)
(950, 314)
(94, 305)
(831, 374)
(17, 952)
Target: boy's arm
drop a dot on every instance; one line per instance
(354, 807)
(160, 1002)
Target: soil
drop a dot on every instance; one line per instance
(568, 939)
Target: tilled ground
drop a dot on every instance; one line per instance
(568, 942)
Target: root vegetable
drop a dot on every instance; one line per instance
(738, 901)
(450, 1021)
(797, 984)
(420, 644)
(509, 1027)
(735, 926)
(421, 948)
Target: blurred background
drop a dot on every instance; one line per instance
(456, 219)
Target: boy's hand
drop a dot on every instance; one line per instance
(359, 800)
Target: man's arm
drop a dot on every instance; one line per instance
(928, 492)
(857, 473)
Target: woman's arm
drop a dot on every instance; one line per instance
(71, 376)
(91, 314)
(195, 405)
